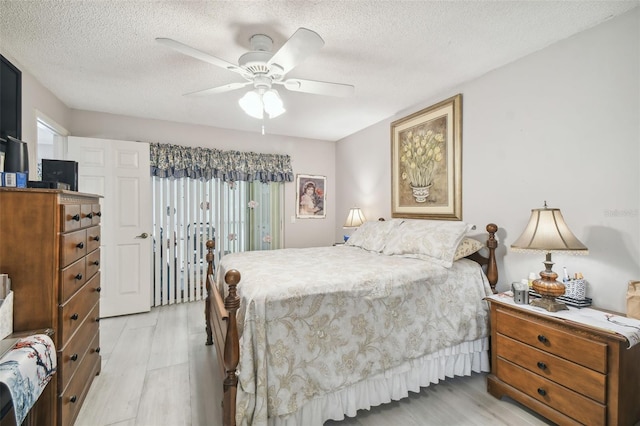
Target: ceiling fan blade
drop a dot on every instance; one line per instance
(319, 87)
(195, 53)
(300, 45)
(220, 89)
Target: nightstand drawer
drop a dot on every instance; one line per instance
(589, 353)
(573, 376)
(570, 403)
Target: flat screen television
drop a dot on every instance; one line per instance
(10, 100)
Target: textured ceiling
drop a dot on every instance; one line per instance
(102, 55)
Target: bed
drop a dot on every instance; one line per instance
(307, 335)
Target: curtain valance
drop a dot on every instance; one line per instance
(208, 163)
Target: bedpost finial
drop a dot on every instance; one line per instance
(492, 228)
(232, 277)
(211, 244)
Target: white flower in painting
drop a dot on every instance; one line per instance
(252, 204)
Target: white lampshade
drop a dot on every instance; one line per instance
(255, 103)
(355, 218)
(548, 232)
(273, 103)
(251, 103)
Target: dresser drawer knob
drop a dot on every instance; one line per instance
(73, 399)
(542, 392)
(96, 238)
(98, 319)
(542, 339)
(96, 262)
(74, 357)
(76, 217)
(80, 245)
(74, 317)
(98, 350)
(90, 215)
(542, 365)
(98, 214)
(78, 277)
(99, 289)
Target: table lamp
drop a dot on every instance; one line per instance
(355, 218)
(547, 232)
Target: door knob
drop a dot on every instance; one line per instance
(143, 235)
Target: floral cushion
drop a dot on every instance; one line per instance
(432, 240)
(466, 247)
(372, 235)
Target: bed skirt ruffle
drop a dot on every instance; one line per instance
(393, 385)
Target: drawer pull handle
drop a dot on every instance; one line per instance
(542, 339)
(96, 238)
(96, 262)
(90, 215)
(98, 214)
(80, 245)
(78, 277)
(73, 399)
(97, 319)
(76, 217)
(99, 289)
(542, 392)
(74, 357)
(74, 317)
(98, 350)
(542, 365)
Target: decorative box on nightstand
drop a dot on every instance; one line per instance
(566, 370)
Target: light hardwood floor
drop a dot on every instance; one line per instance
(157, 371)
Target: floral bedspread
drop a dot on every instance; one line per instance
(315, 320)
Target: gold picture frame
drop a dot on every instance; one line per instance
(426, 162)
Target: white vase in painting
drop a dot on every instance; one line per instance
(421, 193)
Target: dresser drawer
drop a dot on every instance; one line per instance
(589, 353)
(70, 217)
(92, 263)
(96, 214)
(73, 396)
(93, 238)
(71, 356)
(73, 246)
(570, 403)
(573, 376)
(73, 312)
(72, 278)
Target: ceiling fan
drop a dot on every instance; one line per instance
(263, 68)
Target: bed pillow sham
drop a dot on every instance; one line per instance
(431, 240)
(372, 235)
(467, 247)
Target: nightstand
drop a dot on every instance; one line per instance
(567, 371)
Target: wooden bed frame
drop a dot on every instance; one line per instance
(222, 327)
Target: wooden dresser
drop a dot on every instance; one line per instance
(566, 371)
(50, 247)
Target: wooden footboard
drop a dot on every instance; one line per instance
(222, 327)
(222, 331)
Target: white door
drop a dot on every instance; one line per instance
(119, 171)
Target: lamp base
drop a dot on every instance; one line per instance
(549, 303)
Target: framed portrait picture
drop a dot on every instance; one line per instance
(310, 197)
(426, 162)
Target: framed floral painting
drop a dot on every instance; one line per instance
(426, 161)
(310, 197)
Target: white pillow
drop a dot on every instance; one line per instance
(432, 240)
(372, 235)
(466, 247)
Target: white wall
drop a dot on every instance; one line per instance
(560, 125)
(308, 156)
(36, 100)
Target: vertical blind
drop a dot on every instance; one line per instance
(238, 216)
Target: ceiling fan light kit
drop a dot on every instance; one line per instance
(263, 68)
